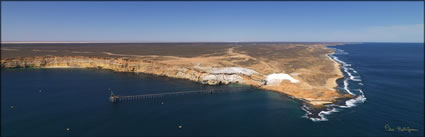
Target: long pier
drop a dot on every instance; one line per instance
(115, 98)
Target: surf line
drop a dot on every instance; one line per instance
(346, 67)
(346, 86)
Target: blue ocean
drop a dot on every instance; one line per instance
(386, 78)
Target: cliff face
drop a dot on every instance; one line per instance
(127, 65)
(302, 71)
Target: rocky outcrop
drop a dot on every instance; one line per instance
(122, 64)
(216, 79)
(207, 74)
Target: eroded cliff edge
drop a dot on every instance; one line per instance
(302, 71)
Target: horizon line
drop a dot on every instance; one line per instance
(55, 42)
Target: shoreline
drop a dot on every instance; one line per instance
(348, 100)
(314, 102)
(304, 72)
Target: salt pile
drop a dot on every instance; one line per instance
(275, 79)
(232, 70)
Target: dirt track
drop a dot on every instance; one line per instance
(307, 62)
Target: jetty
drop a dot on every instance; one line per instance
(116, 98)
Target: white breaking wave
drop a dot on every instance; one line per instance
(275, 78)
(356, 79)
(352, 102)
(346, 87)
(339, 51)
(351, 76)
(349, 103)
(321, 114)
(361, 91)
(353, 70)
(360, 98)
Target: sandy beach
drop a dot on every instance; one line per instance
(302, 71)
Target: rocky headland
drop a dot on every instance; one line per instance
(302, 71)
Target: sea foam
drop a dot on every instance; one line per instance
(359, 95)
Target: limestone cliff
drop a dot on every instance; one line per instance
(302, 71)
(128, 65)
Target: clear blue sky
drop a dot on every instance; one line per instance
(213, 21)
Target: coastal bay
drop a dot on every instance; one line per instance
(77, 98)
(209, 63)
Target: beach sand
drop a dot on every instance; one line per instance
(306, 63)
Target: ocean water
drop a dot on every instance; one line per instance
(390, 76)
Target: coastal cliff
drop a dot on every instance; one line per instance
(126, 65)
(301, 71)
(122, 64)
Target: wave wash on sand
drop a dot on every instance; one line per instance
(349, 78)
(302, 71)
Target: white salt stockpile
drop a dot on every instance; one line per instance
(223, 78)
(226, 70)
(275, 79)
(232, 70)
